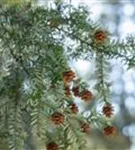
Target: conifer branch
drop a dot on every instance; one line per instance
(107, 50)
(18, 60)
(40, 34)
(101, 74)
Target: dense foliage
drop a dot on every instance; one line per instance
(37, 85)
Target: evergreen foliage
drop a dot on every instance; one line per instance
(36, 44)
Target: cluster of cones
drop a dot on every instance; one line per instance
(85, 94)
(69, 76)
(108, 112)
(58, 118)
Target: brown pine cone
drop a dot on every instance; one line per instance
(76, 91)
(100, 36)
(108, 110)
(67, 91)
(57, 118)
(68, 76)
(86, 95)
(52, 146)
(73, 108)
(85, 128)
(110, 130)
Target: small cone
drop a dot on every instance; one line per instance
(100, 36)
(73, 108)
(76, 91)
(68, 76)
(57, 118)
(52, 146)
(108, 110)
(67, 91)
(85, 128)
(86, 95)
(110, 130)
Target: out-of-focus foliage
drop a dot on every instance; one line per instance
(13, 2)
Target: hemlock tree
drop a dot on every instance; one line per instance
(37, 85)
